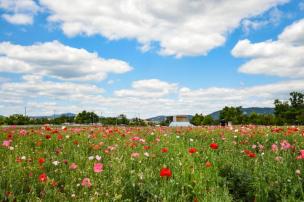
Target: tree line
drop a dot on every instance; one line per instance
(83, 117)
(285, 112)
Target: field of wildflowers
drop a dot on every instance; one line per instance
(243, 163)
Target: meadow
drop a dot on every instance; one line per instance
(94, 163)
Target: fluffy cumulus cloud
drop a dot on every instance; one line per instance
(262, 95)
(33, 87)
(181, 27)
(55, 59)
(19, 11)
(282, 57)
(150, 88)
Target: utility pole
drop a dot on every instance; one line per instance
(54, 117)
(24, 111)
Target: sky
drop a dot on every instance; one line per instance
(145, 58)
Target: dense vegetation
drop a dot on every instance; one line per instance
(152, 164)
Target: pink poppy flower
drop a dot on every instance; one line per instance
(274, 147)
(6, 143)
(86, 182)
(278, 158)
(135, 138)
(285, 145)
(22, 132)
(98, 167)
(301, 156)
(135, 155)
(73, 166)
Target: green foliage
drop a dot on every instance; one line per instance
(120, 120)
(291, 112)
(17, 119)
(239, 183)
(197, 119)
(137, 122)
(233, 114)
(208, 120)
(85, 117)
(167, 121)
(2, 120)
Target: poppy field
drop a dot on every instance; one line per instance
(94, 163)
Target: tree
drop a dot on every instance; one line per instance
(85, 117)
(137, 122)
(17, 119)
(122, 120)
(292, 113)
(233, 114)
(166, 121)
(197, 119)
(208, 120)
(296, 100)
(2, 120)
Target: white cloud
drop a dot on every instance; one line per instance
(18, 18)
(34, 87)
(43, 97)
(19, 11)
(148, 88)
(181, 27)
(283, 57)
(55, 59)
(210, 99)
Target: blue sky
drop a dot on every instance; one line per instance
(179, 57)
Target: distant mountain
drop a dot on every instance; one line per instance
(163, 118)
(55, 115)
(157, 118)
(258, 110)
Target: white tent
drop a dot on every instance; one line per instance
(180, 124)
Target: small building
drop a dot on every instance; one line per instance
(180, 121)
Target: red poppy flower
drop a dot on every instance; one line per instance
(165, 150)
(165, 172)
(54, 183)
(9, 136)
(192, 150)
(43, 177)
(48, 137)
(249, 153)
(252, 155)
(41, 161)
(18, 160)
(208, 164)
(59, 137)
(214, 146)
(146, 147)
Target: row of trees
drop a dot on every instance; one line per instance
(199, 119)
(236, 116)
(291, 112)
(83, 117)
(285, 112)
